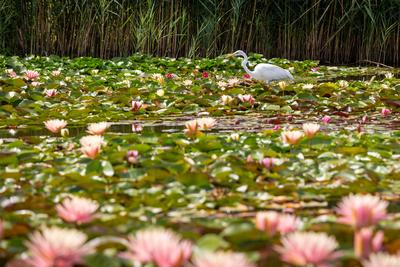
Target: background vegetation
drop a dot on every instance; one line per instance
(334, 31)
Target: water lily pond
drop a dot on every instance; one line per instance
(207, 184)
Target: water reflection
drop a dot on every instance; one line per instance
(254, 122)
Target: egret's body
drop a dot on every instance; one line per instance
(264, 71)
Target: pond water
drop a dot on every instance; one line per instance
(254, 122)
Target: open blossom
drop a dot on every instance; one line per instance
(170, 75)
(310, 129)
(77, 209)
(367, 242)
(226, 99)
(273, 222)
(55, 73)
(136, 105)
(57, 247)
(98, 128)
(11, 73)
(308, 248)
(291, 137)
(382, 260)
(233, 82)
(191, 127)
(55, 126)
(343, 83)
(389, 75)
(246, 76)
(221, 259)
(247, 99)
(35, 84)
(206, 123)
(160, 246)
(187, 82)
(31, 75)
(222, 84)
(361, 210)
(132, 156)
(91, 145)
(205, 74)
(385, 112)
(308, 86)
(326, 119)
(158, 77)
(50, 92)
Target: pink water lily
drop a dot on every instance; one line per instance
(57, 247)
(385, 112)
(160, 246)
(55, 126)
(310, 129)
(247, 99)
(367, 242)
(136, 105)
(382, 260)
(291, 137)
(55, 73)
(11, 73)
(273, 222)
(77, 209)
(309, 248)
(91, 145)
(98, 128)
(221, 259)
(326, 119)
(206, 123)
(50, 92)
(268, 163)
(361, 210)
(31, 75)
(132, 156)
(192, 128)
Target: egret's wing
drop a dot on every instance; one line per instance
(269, 72)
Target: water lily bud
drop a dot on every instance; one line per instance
(235, 137)
(386, 112)
(268, 163)
(64, 132)
(282, 85)
(160, 92)
(326, 119)
(132, 156)
(276, 127)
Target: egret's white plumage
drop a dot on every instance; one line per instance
(263, 71)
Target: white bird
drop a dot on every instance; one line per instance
(263, 71)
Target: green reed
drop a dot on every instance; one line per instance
(334, 31)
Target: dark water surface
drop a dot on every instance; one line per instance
(254, 122)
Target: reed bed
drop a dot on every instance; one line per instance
(333, 31)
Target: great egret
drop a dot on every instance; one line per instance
(263, 71)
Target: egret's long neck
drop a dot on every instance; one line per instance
(244, 64)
